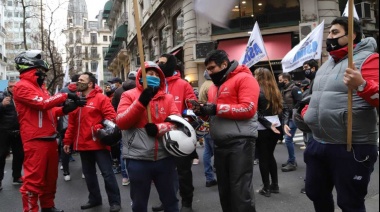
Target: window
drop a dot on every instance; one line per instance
(86, 68)
(9, 14)
(105, 38)
(86, 52)
(78, 36)
(21, 25)
(27, 25)
(85, 24)
(94, 52)
(178, 29)
(93, 38)
(10, 3)
(78, 50)
(71, 38)
(151, 50)
(110, 38)
(105, 50)
(71, 51)
(79, 64)
(94, 66)
(16, 14)
(163, 41)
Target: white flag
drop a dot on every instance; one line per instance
(309, 48)
(255, 50)
(56, 89)
(98, 74)
(66, 78)
(215, 11)
(345, 13)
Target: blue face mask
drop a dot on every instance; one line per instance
(152, 81)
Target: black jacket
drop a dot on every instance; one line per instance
(8, 114)
(127, 85)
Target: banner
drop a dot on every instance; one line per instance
(255, 50)
(345, 13)
(215, 11)
(309, 48)
(66, 78)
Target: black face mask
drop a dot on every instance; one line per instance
(218, 78)
(309, 74)
(167, 69)
(333, 44)
(281, 84)
(41, 77)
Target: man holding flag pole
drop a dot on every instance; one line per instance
(329, 164)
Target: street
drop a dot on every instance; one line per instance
(71, 195)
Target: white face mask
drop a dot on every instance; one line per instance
(113, 86)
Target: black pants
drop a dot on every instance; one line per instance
(9, 139)
(234, 170)
(265, 145)
(115, 152)
(65, 158)
(185, 178)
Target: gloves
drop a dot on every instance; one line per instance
(80, 101)
(304, 101)
(147, 95)
(69, 106)
(151, 129)
(110, 134)
(208, 110)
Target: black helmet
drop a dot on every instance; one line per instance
(31, 59)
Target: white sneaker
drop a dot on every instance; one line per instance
(195, 161)
(61, 168)
(125, 182)
(67, 178)
(83, 176)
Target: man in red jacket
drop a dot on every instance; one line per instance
(37, 115)
(232, 105)
(81, 133)
(181, 91)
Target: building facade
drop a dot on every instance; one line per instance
(3, 58)
(87, 41)
(173, 27)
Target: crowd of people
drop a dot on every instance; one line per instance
(130, 128)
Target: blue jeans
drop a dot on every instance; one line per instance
(124, 171)
(331, 165)
(289, 142)
(207, 155)
(164, 175)
(104, 161)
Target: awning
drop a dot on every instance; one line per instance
(115, 44)
(277, 46)
(107, 9)
(121, 33)
(176, 51)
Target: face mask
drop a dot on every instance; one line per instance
(309, 74)
(109, 93)
(168, 71)
(41, 77)
(82, 86)
(152, 81)
(113, 86)
(281, 84)
(218, 78)
(333, 44)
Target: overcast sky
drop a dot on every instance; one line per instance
(93, 7)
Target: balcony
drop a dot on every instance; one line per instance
(95, 56)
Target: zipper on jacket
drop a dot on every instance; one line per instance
(40, 116)
(156, 108)
(237, 126)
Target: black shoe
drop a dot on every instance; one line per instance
(303, 190)
(158, 207)
(90, 205)
(265, 192)
(17, 181)
(186, 209)
(290, 167)
(273, 188)
(53, 209)
(211, 183)
(115, 208)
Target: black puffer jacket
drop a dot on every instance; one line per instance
(8, 114)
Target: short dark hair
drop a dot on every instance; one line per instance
(218, 56)
(75, 78)
(286, 76)
(312, 63)
(91, 77)
(343, 21)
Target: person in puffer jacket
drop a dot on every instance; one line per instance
(37, 115)
(232, 105)
(146, 158)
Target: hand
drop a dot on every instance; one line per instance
(6, 101)
(208, 109)
(81, 102)
(287, 130)
(66, 149)
(274, 129)
(151, 129)
(69, 106)
(73, 96)
(147, 95)
(353, 78)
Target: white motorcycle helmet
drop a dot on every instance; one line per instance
(180, 142)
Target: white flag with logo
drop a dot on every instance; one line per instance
(98, 74)
(309, 48)
(66, 78)
(345, 13)
(255, 50)
(215, 11)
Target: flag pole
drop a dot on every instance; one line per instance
(350, 65)
(141, 52)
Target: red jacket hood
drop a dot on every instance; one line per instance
(239, 69)
(72, 86)
(176, 76)
(161, 90)
(30, 76)
(96, 90)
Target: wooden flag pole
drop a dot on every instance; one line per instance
(270, 65)
(141, 52)
(350, 65)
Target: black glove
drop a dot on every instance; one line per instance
(73, 96)
(305, 101)
(208, 110)
(151, 129)
(147, 95)
(81, 102)
(69, 106)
